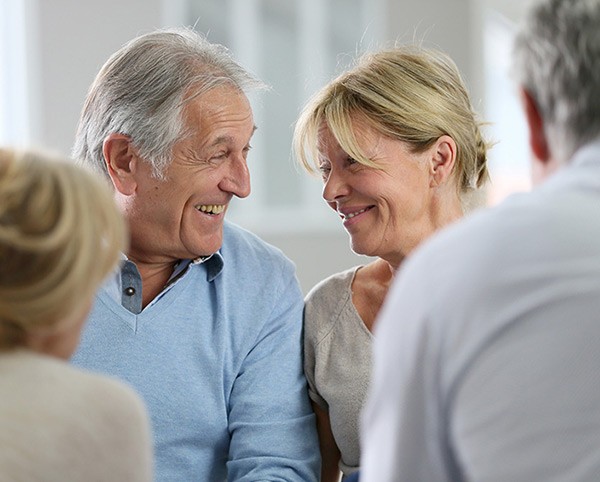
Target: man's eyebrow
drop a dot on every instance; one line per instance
(228, 139)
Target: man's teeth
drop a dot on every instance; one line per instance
(212, 208)
(351, 215)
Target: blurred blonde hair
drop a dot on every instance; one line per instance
(407, 93)
(60, 235)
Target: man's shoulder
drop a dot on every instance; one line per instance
(484, 253)
(239, 244)
(474, 247)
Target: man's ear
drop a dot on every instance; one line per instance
(443, 158)
(121, 162)
(537, 136)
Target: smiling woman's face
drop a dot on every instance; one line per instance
(385, 209)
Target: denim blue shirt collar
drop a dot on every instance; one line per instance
(214, 266)
(125, 286)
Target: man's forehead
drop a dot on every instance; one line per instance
(215, 95)
(222, 114)
(228, 139)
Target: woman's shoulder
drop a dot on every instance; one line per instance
(91, 415)
(65, 387)
(326, 302)
(331, 287)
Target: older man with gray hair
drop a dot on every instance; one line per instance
(202, 318)
(487, 352)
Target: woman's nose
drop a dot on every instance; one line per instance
(335, 186)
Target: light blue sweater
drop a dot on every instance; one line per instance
(217, 359)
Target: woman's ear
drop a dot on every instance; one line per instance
(121, 162)
(442, 159)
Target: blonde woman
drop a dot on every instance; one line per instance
(399, 148)
(60, 235)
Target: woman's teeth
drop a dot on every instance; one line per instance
(351, 215)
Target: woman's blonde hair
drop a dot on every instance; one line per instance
(60, 235)
(407, 93)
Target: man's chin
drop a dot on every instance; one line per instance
(208, 248)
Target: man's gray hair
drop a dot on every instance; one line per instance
(142, 89)
(557, 60)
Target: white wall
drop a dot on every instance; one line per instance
(73, 38)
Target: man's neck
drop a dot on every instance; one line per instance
(154, 278)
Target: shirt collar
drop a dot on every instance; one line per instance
(587, 153)
(214, 265)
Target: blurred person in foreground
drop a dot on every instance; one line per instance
(400, 151)
(60, 235)
(203, 318)
(487, 350)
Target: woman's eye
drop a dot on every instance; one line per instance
(324, 169)
(351, 160)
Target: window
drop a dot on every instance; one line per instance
(15, 124)
(509, 158)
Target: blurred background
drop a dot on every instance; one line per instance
(51, 50)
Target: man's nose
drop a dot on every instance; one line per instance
(237, 179)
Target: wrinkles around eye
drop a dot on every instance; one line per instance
(193, 157)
